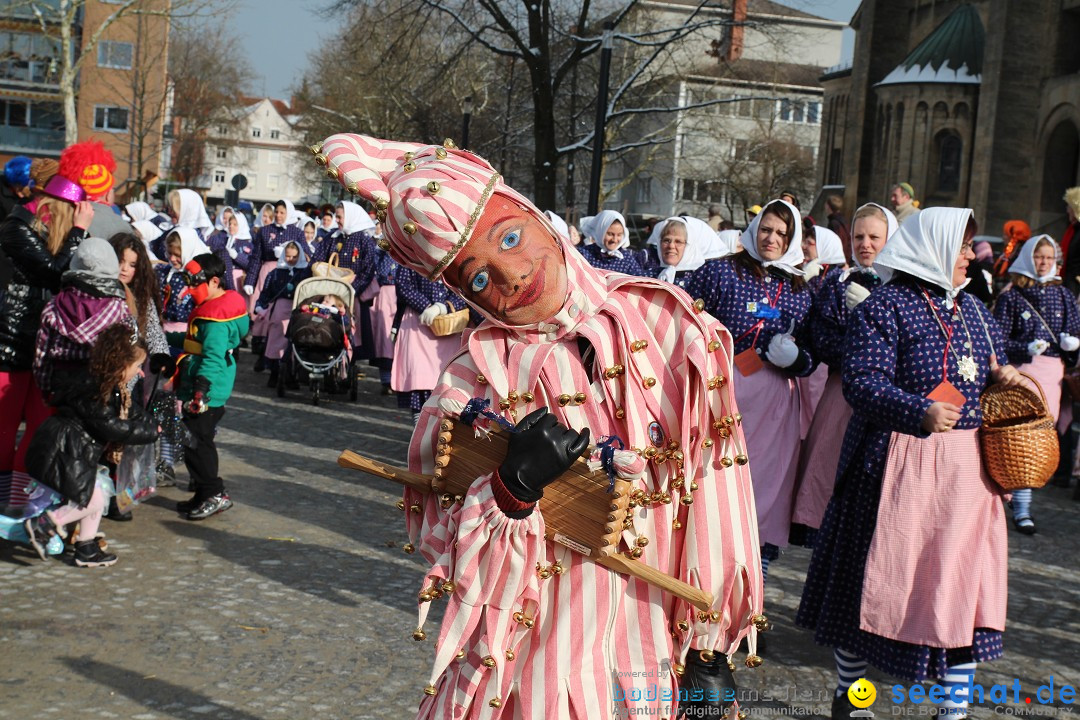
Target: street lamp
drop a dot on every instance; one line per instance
(601, 119)
(466, 115)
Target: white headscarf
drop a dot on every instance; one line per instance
(243, 230)
(190, 244)
(148, 233)
(139, 210)
(792, 257)
(333, 222)
(597, 225)
(702, 244)
(219, 221)
(830, 248)
(1024, 264)
(926, 246)
(301, 260)
(354, 218)
(258, 218)
(559, 223)
(291, 214)
(192, 212)
(729, 241)
(302, 220)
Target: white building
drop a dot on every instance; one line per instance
(763, 137)
(265, 148)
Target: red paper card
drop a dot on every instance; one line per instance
(748, 362)
(946, 392)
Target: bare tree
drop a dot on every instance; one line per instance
(208, 74)
(60, 20)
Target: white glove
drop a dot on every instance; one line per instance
(248, 290)
(232, 253)
(1037, 347)
(811, 269)
(1069, 342)
(782, 351)
(854, 295)
(433, 311)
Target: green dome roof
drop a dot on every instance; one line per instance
(952, 53)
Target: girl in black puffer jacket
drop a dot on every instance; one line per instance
(38, 239)
(94, 420)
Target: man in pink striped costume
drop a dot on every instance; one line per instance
(534, 629)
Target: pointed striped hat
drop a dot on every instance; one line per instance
(428, 197)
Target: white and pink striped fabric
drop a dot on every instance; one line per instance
(599, 641)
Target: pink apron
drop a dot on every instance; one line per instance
(238, 281)
(769, 403)
(419, 356)
(810, 390)
(938, 564)
(264, 270)
(1048, 372)
(383, 309)
(277, 324)
(821, 454)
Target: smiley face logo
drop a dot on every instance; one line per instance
(862, 693)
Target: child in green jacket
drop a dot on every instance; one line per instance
(207, 371)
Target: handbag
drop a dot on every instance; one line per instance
(451, 323)
(331, 269)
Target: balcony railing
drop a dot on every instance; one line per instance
(30, 140)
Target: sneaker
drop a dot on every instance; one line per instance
(166, 475)
(40, 530)
(211, 506)
(88, 553)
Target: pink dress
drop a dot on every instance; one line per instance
(383, 309)
(593, 627)
(821, 455)
(419, 356)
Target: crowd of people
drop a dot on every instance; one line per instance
(786, 383)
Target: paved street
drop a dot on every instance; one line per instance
(299, 602)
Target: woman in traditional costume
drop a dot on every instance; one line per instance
(910, 567)
(761, 298)
(610, 249)
(532, 628)
(1041, 324)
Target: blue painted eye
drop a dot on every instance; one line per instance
(480, 281)
(511, 240)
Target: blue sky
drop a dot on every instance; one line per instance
(278, 35)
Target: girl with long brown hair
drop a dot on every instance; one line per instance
(39, 239)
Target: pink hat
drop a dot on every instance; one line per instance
(429, 197)
(63, 189)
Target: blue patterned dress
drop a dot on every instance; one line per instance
(892, 360)
(626, 264)
(176, 302)
(265, 241)
(1021, 325)
(830, 315)
(649, 260)
(218, 245)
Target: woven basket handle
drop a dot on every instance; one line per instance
(333, 259)
(1042, 395)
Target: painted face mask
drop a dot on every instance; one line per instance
(198, 285)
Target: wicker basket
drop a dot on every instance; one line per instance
(450, 324)
(1019, 440)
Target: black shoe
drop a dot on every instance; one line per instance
(211, 506)
(89, 554)
(272, 380)
(39, 530)
(260, 364)
(114, 513)
(185, 506)
(1024, 525)
(842, 708)
(714, 678)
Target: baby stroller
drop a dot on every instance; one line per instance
(318, 341)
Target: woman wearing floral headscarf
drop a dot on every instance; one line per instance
(760, 296)
(1042, 329)
(899, 579)
(871, 227)
(564, 346)
(611, 242)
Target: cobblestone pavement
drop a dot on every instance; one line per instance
(299, 602)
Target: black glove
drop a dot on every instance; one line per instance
(201, 385)
(162, 363)
(541, 450)
(716, 682)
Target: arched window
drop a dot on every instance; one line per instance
(950, 152)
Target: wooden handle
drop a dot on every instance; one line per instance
(700, 599)
(349, 459)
